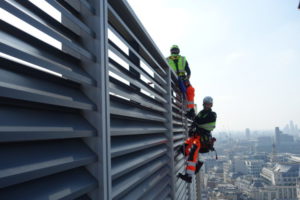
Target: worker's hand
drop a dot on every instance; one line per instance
(180, 150)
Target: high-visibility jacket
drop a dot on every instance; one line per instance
(178, 68)
(205, 121)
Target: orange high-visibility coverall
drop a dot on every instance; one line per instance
(192, 147)
(190, 95)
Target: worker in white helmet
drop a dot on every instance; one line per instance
(200, 139)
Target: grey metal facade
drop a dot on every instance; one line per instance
(92, 119)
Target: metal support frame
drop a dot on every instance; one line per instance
(170, 135)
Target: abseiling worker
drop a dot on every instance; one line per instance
(200, 139)
(181, 67)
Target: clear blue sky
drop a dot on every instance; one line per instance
(245, 54)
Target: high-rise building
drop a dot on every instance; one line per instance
(282, 138)
(274, 153)
(247, 133)
(277, 135)
(263, 144)
(285, 143)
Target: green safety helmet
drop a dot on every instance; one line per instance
(174, 46)
(174, 49)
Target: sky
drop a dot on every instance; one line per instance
(245, 54)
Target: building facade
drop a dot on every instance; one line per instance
(280, 181)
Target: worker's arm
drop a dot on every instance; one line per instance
(211, 117)
(206, 124)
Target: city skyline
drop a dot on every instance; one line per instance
(257, 169)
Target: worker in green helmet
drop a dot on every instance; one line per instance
(180, 66)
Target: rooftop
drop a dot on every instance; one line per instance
(286, 168)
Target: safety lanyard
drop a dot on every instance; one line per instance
(176, 65)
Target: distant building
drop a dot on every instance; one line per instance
(249, 186)
(210, 163)
(280, 181)
(263, 144)
(228, 168)
(298, 190)
(280, 158)
(274, 153)
(277, 135)
(285, 143)
(259, 156)
(254, 167)
(240, 165)
(247, 133)
(232, 176)
(282, 138)
(224, 191)
(294, 159)
(218, 172)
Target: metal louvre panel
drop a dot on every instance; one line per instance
(127, 127)
(78, 182)
(179, 135)
(28, 160)
(128, 144)
(121, 26)
(142, 174)
(137, 68)
(45, 106)
(120, 89)
(38, 89)
(29, 16)
(119, 107)
(115, 68)
(84, 114)
(140, 123)
(68, 13)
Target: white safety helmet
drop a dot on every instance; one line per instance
(208, 99)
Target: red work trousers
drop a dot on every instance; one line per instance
(190, 95)
(192, 147)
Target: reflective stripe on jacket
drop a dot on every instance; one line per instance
(205, 120)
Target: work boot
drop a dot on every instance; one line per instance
(191, 114)
(185, 177)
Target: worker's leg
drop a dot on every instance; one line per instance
(185, 148)
(190, 95)
(193, 157)
(188, 144)
(198, 166)
(181, 85)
